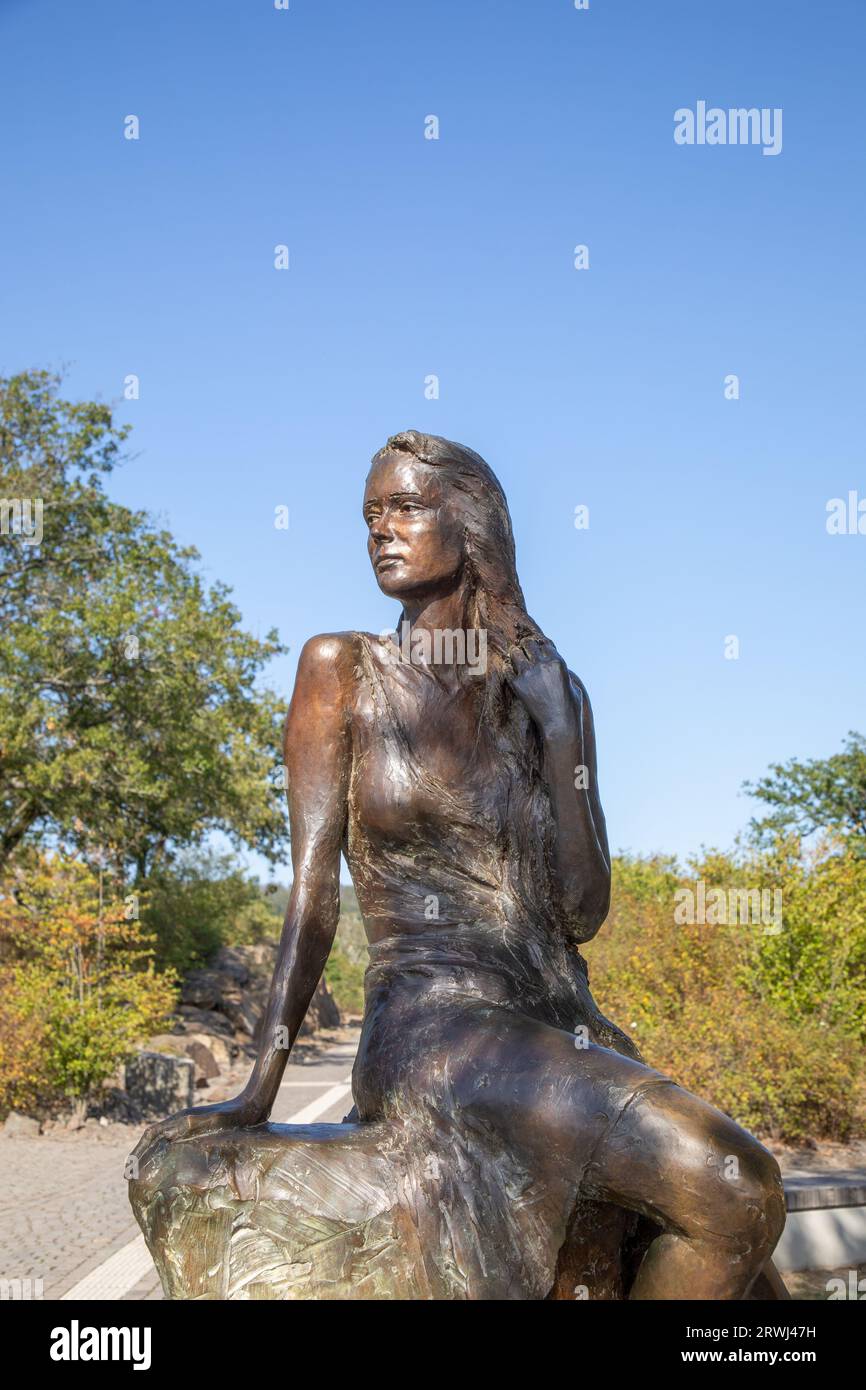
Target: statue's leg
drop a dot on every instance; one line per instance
(716, 1192)
(639, 1141)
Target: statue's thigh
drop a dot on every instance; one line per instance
(635, 1137)
(548, 1094)
(688, 1166)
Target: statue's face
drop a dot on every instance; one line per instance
(416, 535)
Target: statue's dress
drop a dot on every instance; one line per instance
(480, 1036)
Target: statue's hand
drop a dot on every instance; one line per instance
(539, 677)
(237, 1113)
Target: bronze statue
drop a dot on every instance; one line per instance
(455, 765)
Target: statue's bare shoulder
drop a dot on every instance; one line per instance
(329, 670)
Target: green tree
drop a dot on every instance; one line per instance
(131, 718)
(820, 794)
(204, 901)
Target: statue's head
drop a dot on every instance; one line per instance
(437, 517)
(438, 522)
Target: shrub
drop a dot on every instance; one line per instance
(80, 987)
(766, 1026)
(345, 978)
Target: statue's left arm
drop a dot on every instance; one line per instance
(559, 706)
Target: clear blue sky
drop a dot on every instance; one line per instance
(411, 257)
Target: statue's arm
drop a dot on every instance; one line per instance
(581, 852)
(560, 708)
(317, 752)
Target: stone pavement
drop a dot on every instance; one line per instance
(64, 1206)
(64, 1209)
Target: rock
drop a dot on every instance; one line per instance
(262, 954)
(222, 1051)
(120, 1107)
(392, 1210)
(241, 1009)
(229, 960)
(322, 1013)
(209, 1052)
(205, 1020)
(325, 1005)
(171, 1043)
(206, 1066)
(203, 988)
(207, 987)
(160, 1084)
(365, 1212)
(230, 996)
(19, 1126)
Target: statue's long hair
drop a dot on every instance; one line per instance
(495, 603)
(495, 597)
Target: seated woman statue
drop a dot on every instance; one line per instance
(455, 765)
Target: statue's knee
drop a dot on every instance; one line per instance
(750, 1202)
(767, 1192)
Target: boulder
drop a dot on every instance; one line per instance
(174, 1044)
(382, 1211)
(206, 1065)
(261, 955)
(19, 1126)
(204, 1021)
(234, 990)
(323, 1011)
(231, 961)
(159, 1084)
(325, 1005)
(242, 1010)
(221, 1049)
(366, 1212)
(199, 1047)
(203, 988)
(118, 1106)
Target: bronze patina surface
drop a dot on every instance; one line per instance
(507, 1141)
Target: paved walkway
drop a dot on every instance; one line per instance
(65, 1216)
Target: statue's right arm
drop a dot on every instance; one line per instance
(317, 754)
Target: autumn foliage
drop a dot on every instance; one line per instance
(769, 1025)
(78, 984)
